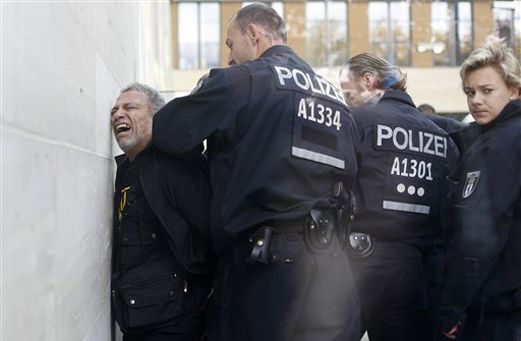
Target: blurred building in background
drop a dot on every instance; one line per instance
(428, 39)
(63, 64)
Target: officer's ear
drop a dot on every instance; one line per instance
(368, 80)
(252, 32)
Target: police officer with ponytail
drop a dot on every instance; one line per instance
(403, 160)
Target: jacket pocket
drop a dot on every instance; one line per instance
(149, 304)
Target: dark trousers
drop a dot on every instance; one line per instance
(191, 328)
(162, 336)
(492, 327)
(300, 296)
(392, 289)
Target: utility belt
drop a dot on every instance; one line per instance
(363, 245)
(318, 228)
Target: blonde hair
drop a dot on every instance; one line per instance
(387, 76)
(497, 54)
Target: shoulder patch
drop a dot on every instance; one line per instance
(471, 183)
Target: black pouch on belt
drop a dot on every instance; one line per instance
(319, 230)
(361, 245)
(260, 240)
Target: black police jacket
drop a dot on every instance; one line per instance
(483, 220)
(403, 160)
(278, 135)
(448, 124)
(178, 193)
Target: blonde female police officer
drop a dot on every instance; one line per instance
(483, 213)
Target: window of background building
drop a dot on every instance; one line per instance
(389, 30)
(442, 19)
(326, 33)
(505, 18)
(464, 35)
(199, 35)
(451, 29)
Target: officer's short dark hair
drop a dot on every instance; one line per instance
(264, 16)
(155, 99)
(387, 75)
(426, 109)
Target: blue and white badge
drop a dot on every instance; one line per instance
(471, 183)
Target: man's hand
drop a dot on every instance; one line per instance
(452, 333)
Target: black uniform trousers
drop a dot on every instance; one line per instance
(482, 326)
(392, 288)
(300, 296)
(175, 334)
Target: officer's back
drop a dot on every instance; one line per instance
(403, 160)
(409, 156)
(279, 136)
(281, 149)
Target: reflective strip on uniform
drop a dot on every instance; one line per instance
(405, 207)
(318, 157)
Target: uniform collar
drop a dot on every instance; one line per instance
(277, 50)
(468, 135)
(398, 95)
(120, 159)
(510, 110)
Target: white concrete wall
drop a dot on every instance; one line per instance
(63, 64)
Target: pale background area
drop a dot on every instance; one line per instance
(62, 67)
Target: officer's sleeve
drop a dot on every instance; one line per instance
(189, 192)
(479, 232)
(182, 125)
(193, 196)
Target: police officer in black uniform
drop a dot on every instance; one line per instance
(481, 294)
(282, 158)
(449, 124)
(403, 160)
(161, 263)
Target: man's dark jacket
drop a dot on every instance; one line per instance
(178, 193)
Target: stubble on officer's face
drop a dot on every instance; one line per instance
(240, 44)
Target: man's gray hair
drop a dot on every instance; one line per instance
(155, 100)
(264, 16)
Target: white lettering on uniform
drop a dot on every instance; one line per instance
(283, 73)
(440, 145)
(305, 81)
(395, 138)
(381, 136)
(405, 139)
(312, 85)
(427, 148)
(411, 146)
(305, 85)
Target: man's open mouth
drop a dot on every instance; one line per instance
(121, 128)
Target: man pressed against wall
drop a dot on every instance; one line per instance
(161, 262)
(281, 155)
